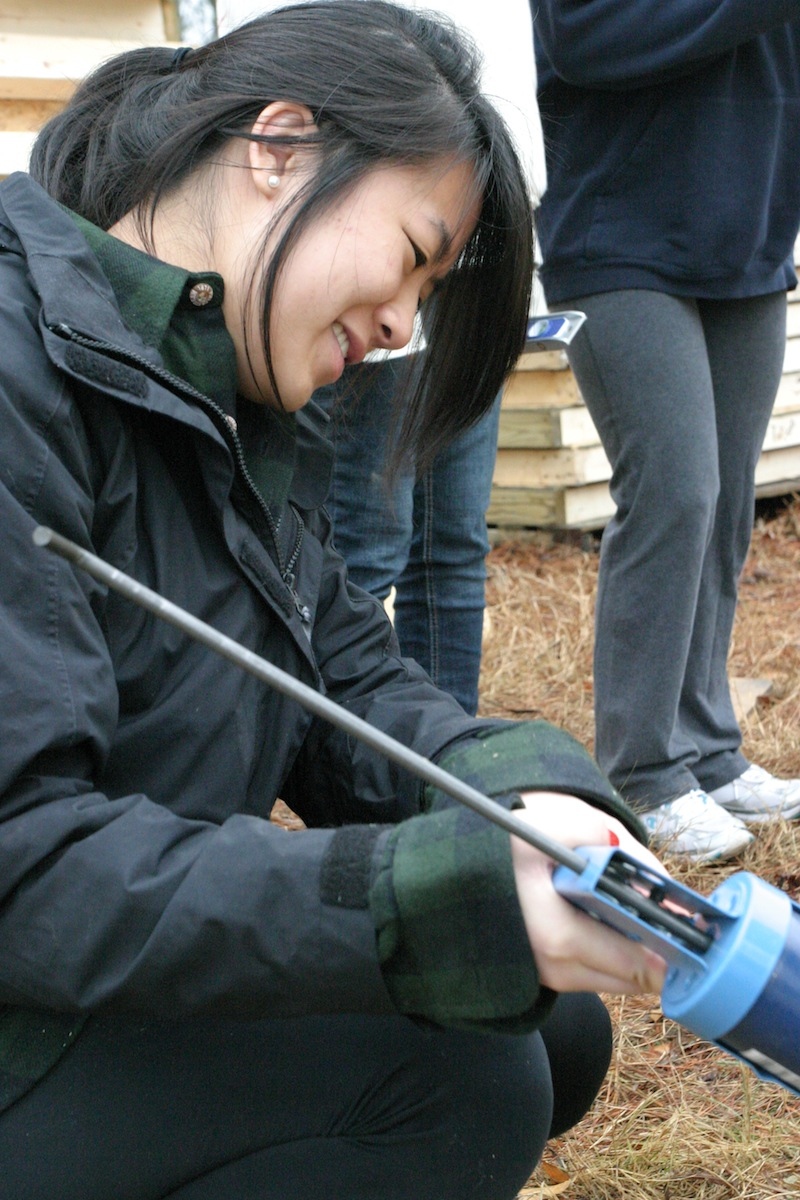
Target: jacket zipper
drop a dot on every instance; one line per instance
(222, 422)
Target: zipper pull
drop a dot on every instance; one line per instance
(303, 611)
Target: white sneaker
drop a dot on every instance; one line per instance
(758, 796)
(694, 825)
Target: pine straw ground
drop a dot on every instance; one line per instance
(677, 1119)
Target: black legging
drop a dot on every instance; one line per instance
(346, 1107)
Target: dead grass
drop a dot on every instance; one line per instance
(677, 1119)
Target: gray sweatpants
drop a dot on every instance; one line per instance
(681, 392)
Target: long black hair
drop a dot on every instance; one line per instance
(386, 85)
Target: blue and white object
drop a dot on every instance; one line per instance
(734, 958)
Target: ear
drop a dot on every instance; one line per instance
(272, 161)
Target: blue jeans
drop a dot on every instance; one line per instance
(427, 538)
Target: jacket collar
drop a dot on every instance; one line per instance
(66, 275)
(74, 292)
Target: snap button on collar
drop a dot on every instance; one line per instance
(201, 294)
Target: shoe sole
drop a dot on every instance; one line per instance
(702, 859)
(759, 818)
(703, 856)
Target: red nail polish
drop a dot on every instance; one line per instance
(613, 840)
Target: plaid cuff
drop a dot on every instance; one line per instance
(532, 756)
(451, 938)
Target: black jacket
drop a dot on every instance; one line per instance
(139, 871)
(138, 770)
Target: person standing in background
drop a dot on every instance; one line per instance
(673, 203)
(424, 534)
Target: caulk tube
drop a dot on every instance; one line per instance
(769, 1036)
(743, 994)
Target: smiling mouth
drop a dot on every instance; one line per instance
(342, 339)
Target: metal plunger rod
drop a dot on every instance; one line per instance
(311, 699)
(323, 707)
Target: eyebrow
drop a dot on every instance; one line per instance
(445, 239)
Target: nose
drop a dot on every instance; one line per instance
(395, 320)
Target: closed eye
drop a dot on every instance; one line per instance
(420, 257)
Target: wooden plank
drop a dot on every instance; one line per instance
(589, 507)
(551, 508)
(140, 20)
(543, 360)
(48, 68)
(553, 389)
(568, 467)
(20, 120)
(521, 508)
(172, 20)
(777, 466)
(553, 429)
(26, 115)
(783, 430)
(541, 389)
(791, 358)
(546, 428)
(788, 397)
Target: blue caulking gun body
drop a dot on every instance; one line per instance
(734, 959)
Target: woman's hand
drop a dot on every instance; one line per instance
(573, 951)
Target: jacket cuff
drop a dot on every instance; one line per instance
(532, 756)
(451, 939)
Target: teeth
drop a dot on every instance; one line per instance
(342, 339)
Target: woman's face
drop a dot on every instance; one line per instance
(356, 276)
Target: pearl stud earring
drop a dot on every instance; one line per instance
(274, 181)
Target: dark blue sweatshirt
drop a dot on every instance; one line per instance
(672, 130)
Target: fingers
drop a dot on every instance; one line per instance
(600, 960)
(573, 822)
(574, 951)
